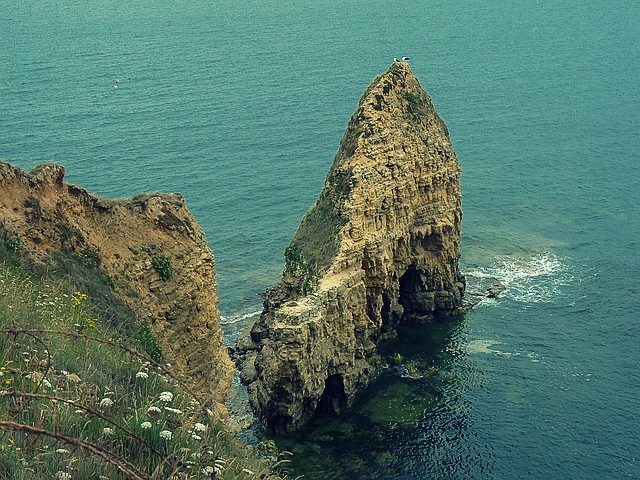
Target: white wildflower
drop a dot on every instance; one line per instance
(63, 475)
(166, 434)
(219, 465)
(142, 375)
(208, 470)
(196, 437)
(199, 427)
(62, 450)
(107, 431)
(145, 425)
(246, 470)
(196, 455)
(39, 378)
(166, 396)
(106, 402)
(153, 411)
(173, 410)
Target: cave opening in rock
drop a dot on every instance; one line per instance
(333, 399)
(385, 313)
(416, 301)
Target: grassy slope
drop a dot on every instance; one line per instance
(77, 400)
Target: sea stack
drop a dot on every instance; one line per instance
(379, 247)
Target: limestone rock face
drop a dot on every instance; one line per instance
(379, 247)
(48, 216)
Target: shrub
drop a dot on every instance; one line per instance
(162, 265)
(148, 342)
(14, 245)
(412, 98)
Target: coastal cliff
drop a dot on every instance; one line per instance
(150, 249)
(379, 247)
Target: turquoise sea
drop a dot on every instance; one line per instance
(240, 106)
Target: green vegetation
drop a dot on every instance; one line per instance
(88, 258)
(395, 359)
(412, 98)
(296, 266)
(14, 245)
(81, 272)
(316, 242)
(78, 401)
(147, 342)
(162, 265)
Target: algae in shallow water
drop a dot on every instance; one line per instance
(398, 403)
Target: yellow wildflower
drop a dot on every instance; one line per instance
(78, 297)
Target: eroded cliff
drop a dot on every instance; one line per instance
(379, 247)
(150, 248)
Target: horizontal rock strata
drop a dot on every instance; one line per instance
(127, 238)
(379, 247)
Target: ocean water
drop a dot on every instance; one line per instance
(240, 106)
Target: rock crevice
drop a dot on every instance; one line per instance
(379, 247)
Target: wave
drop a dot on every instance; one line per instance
(240, 317)
(535, 278)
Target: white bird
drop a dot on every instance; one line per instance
(404, 59)
(395, 59)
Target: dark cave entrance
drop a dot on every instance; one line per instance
(333, 399)
(416, 300)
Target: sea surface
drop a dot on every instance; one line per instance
(240, 106)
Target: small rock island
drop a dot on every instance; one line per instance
(379, 247)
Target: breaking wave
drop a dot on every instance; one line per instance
(537, 278)
(238, 318)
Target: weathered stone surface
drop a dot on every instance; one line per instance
(380, 246)
(48, 215)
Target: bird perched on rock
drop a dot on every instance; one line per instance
(404, 59)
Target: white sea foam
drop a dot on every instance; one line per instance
(482, 346)
(231, 319)
(537, 278)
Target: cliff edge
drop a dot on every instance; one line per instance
(379, 247)
(149, 247)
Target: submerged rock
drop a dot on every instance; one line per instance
(379, 247)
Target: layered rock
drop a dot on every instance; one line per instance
(150, 247)
(379, 247)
